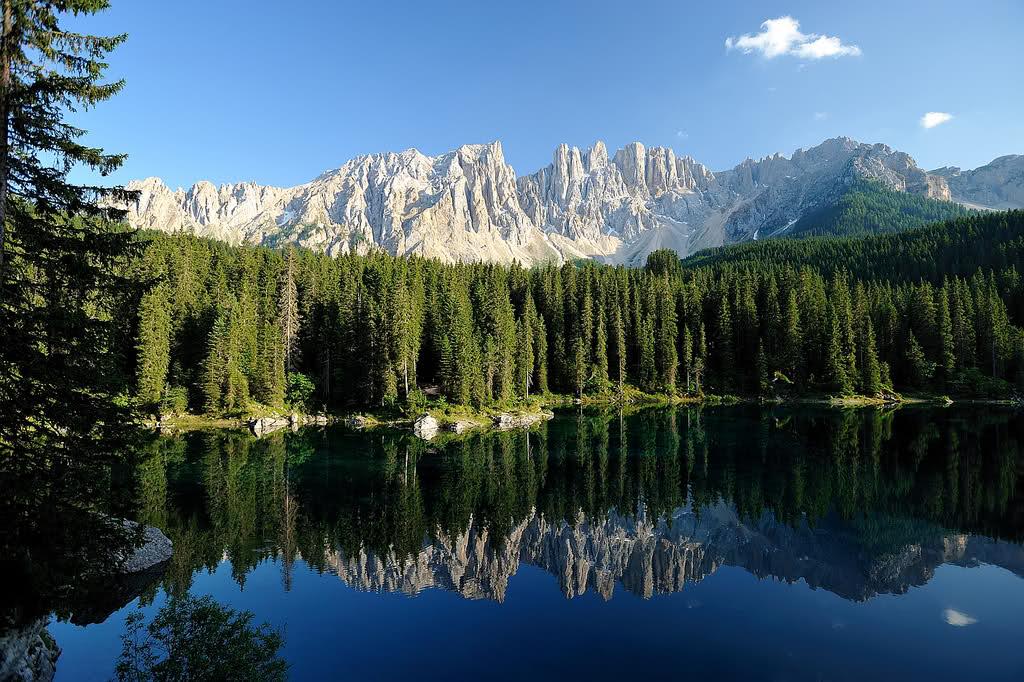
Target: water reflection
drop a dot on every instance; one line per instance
(855, 502)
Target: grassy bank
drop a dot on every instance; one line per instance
(469, 417)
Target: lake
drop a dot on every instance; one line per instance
(737, 542)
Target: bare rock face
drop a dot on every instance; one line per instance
(469, 205)
(998, 185)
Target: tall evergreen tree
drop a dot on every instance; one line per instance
(154, 345)
(62, 299)
(288, 311)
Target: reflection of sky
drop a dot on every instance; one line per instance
(731, 625)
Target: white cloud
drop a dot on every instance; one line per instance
(782, 36)
(935, 118)
(682, 134)
(958, 618)
(820, 115)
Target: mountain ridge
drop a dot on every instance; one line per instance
(469, 204)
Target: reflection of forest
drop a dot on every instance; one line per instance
(856, 502)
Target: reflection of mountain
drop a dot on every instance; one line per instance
(659, 556)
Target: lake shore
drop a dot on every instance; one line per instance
(462, 418)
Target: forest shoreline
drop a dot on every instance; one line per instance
(458, 419)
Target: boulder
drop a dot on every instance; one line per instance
(517, 421)
(261, 426)
(425, 427)
(356, 422)
(460, 426)
(505, 421)
(155, 550)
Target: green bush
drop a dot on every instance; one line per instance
(300, 390)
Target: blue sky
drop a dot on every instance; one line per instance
(276, 92)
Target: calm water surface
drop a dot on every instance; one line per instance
(736, 542)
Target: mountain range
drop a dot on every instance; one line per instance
(469, 204)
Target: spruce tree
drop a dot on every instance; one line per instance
(601, 351)
(871, 370)
(63, 301)
(947, 348)
(524, 357)
(792, 339)
(667, 359)
(919, 369)
(541, 355)
(288, 311)
(154, 345)
(618, 326)
(764, 374)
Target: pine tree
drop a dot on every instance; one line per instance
(154, 345)
(619, 330)
(919, 369)
(700, 354)
(601, 352)
(764, 374)
(288, 311)
(723, 345)
(541, 355)
(215, 365)
(947, 349)
(648, 368)
(667, 360)
(836, 367)
(524, 357)
(686, 357)
(579, 367)
(792, 339)
(871, 370)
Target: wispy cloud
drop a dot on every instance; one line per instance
(782, 36)
(682, 134)
(820, 115)
(935, 118)
(958, 618)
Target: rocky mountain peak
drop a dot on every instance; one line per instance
(469, 203)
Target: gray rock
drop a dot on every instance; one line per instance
(356, 422)
(506, 421)
(28, 654)
(264, 425)
(996, 185)
(460, 426)
(155, 550)
(425, 427)
(469, 205)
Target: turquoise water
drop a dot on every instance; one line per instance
(738, 542)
